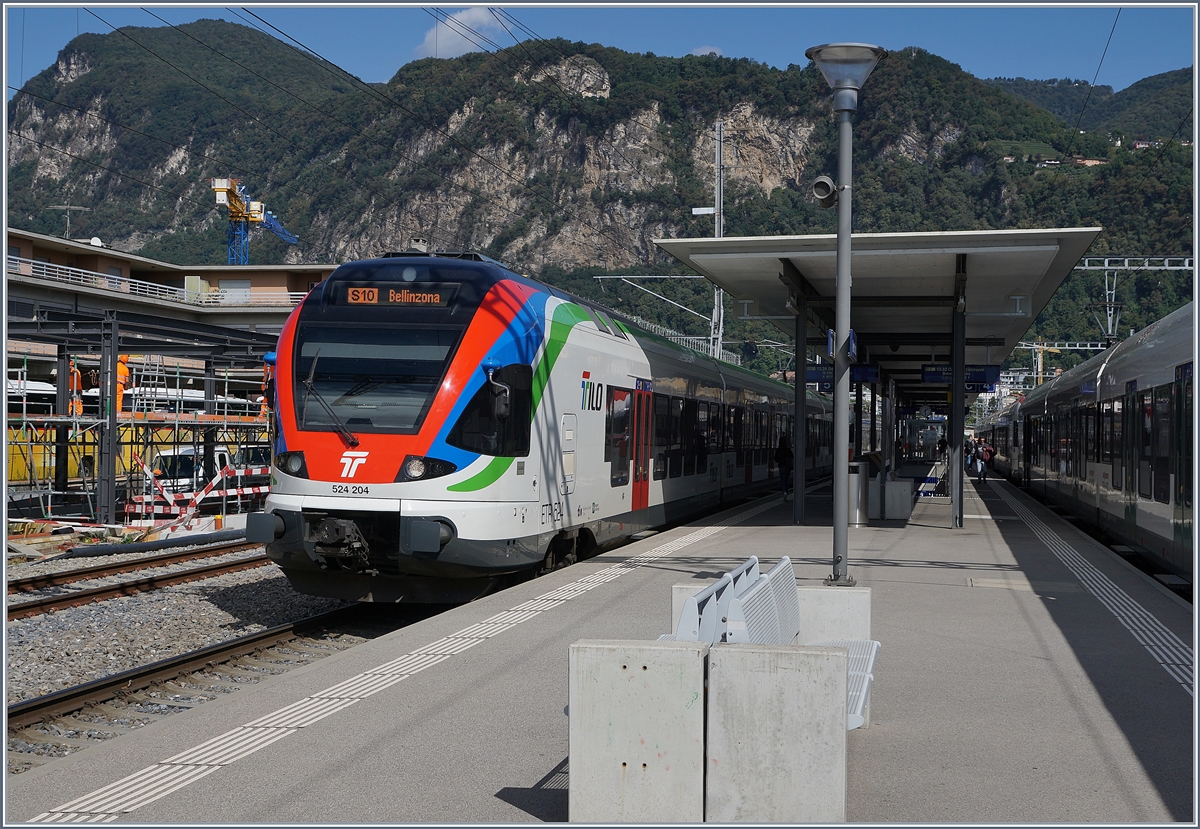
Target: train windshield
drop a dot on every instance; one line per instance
(369, 379)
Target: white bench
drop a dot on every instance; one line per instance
(704, 614)
(766, 611)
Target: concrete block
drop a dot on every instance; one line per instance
(776, 734)
(834, 613)
(636, 726)
(828, 613)
(897, 499)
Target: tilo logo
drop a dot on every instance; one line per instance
(351, 461)
(593, 394)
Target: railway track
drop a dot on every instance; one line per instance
(69, 700)
(77, 598)
(32, 583)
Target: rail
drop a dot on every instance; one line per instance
(19, 266)
(60, 703)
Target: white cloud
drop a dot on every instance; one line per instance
(707, 50)
(447, 40)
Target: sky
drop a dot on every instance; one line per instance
(373, 41)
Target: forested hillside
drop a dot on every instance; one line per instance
(1154, 108)
(568, 159)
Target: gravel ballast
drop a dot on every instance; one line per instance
(54, 651)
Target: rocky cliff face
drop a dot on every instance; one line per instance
(566, 196)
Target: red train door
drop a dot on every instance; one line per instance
(643, 422)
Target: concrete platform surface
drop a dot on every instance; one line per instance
(1027, 675)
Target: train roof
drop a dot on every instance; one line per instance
(489, 271)
(1148, 358)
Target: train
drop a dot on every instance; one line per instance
(1111, 441)
(443, 423)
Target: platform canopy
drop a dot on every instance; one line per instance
(905, 289)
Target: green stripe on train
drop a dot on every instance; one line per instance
(566, 316)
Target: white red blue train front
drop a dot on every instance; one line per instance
(394, 377)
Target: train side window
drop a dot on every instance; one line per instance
(1089, 435)
(1117, 444)
(714, 428)
(1146, 445)
(1162, 444)
(701, 441)
(1105, 438)
(662, 434)
(1186, 438)
(675, 448)
(688, 423)
(479, 429)
(618, 423)
(737, 418)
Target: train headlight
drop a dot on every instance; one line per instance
(292, 463)
(416, 468)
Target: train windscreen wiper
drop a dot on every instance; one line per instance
(309, 390)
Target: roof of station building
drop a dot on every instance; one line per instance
(903, 289)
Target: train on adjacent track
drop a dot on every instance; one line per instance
(443, 422)
(1112, 441)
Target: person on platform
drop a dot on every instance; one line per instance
(784, 460)
(982, 456)
(122, 380)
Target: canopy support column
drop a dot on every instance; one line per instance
(800, 430)
(958, 381)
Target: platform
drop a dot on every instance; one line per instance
(1027, 675)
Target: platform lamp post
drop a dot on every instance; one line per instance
(845, 67)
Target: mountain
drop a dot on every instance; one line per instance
(562, 159)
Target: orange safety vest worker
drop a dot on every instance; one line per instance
(122, 379)
(267, 390)
(76, 387)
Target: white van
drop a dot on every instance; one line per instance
(182, 469)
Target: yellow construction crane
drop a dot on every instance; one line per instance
(1039, 349)
(243, 212)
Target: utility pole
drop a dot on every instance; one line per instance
(717, 329)
(68, 207)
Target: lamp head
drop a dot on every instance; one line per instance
(846, 67)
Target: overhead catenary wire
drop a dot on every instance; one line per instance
(205, 86)
(1097, 75)
(451, 138)
(309, 104)
(180, 196)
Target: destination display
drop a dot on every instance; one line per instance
(435, 295)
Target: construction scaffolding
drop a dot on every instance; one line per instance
(191, 437)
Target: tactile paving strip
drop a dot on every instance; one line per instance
(1175, 656)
